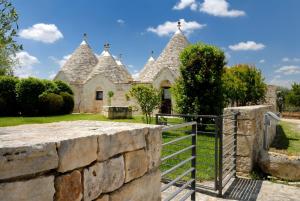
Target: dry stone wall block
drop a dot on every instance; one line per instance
(37, 189)
(68, 187)
(136, 164)
(103, 198)
(93, 181)
(75, 153)
(111, 145)
(27, 160)
(135, 190)
(244, 164)
(154, 146)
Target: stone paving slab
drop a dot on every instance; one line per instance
(248, 190)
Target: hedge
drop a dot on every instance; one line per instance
(32, 97)
(8, 99)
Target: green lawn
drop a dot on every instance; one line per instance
(205, 149)
(13, 121)
(287, 139)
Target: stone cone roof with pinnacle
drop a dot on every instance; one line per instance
(124, 70)
(81, 63)
(169, 58)
(146, 69)
(108, 67)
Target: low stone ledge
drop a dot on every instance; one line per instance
(280, 165)
(136, 164)
(38, 189)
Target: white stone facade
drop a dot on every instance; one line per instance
(92, 77)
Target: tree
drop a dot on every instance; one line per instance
(243, 84)
(148, 99)
(8, 99)
(199, 87)
(8, 31)
(110, 94)
(293, 96)
(281, 100)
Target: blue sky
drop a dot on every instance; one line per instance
(263, 33)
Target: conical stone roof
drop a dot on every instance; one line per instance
(169, 58)
(146, 69)
(81, 63)
(108, 67)
(124, 70)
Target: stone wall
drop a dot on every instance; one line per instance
(80, 160)
(250, 134)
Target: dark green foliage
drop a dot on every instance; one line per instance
(50, 104)
(243, 85)
(28, 91)
(8, 100)
(293, 96)
(148, 99)
(68, 105)
(8, 32)
(199, 88)
(50, 86)
(63, 87)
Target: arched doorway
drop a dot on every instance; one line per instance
(166, 100)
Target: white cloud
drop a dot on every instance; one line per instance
(46, 33)
(24, 64)
(121, 22)
(168, 27)
(227, 55)
(288, 70)
(182, 4)
(262, 61)
(61, 61)
(219, 8)
(295, 59)
(281, 82)
(249, 45)
(51, 75)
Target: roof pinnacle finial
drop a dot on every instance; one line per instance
(106, 46)
(120, 56)
(84, 36)
(152, 53)
(179, 25)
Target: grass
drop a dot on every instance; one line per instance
(287, 139)
(205, 143)
(205, 155)
(13, 121)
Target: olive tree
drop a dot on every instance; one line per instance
(148, 99)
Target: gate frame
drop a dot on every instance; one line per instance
(219, 132)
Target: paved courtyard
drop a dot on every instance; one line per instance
(250, 190)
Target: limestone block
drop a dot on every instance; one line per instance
(93, 181)
(111, 145)
(103, 198)
(245, 145)
(146, 188)
(244, 164)
(78, 152)
(68, 187)
(247, 127)
(103, 177)
(154, 146)
(26, 160)
(280, 165)
(38, 189)
(114, 174)
(136, 164)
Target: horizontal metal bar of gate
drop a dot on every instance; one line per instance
(165, 187)
(173, 127)
(179, 190)
(177, 166)
(178, 152)
(178, 139)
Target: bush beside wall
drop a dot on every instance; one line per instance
(32, 97)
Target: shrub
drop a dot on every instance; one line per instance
(63, 87)
(199, 87)
(293, 96)
(148, 99)
(8, 100)
(50, 103)
(50, 86)
(28, 91)
(68, 104)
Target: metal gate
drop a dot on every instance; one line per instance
(207, 143)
